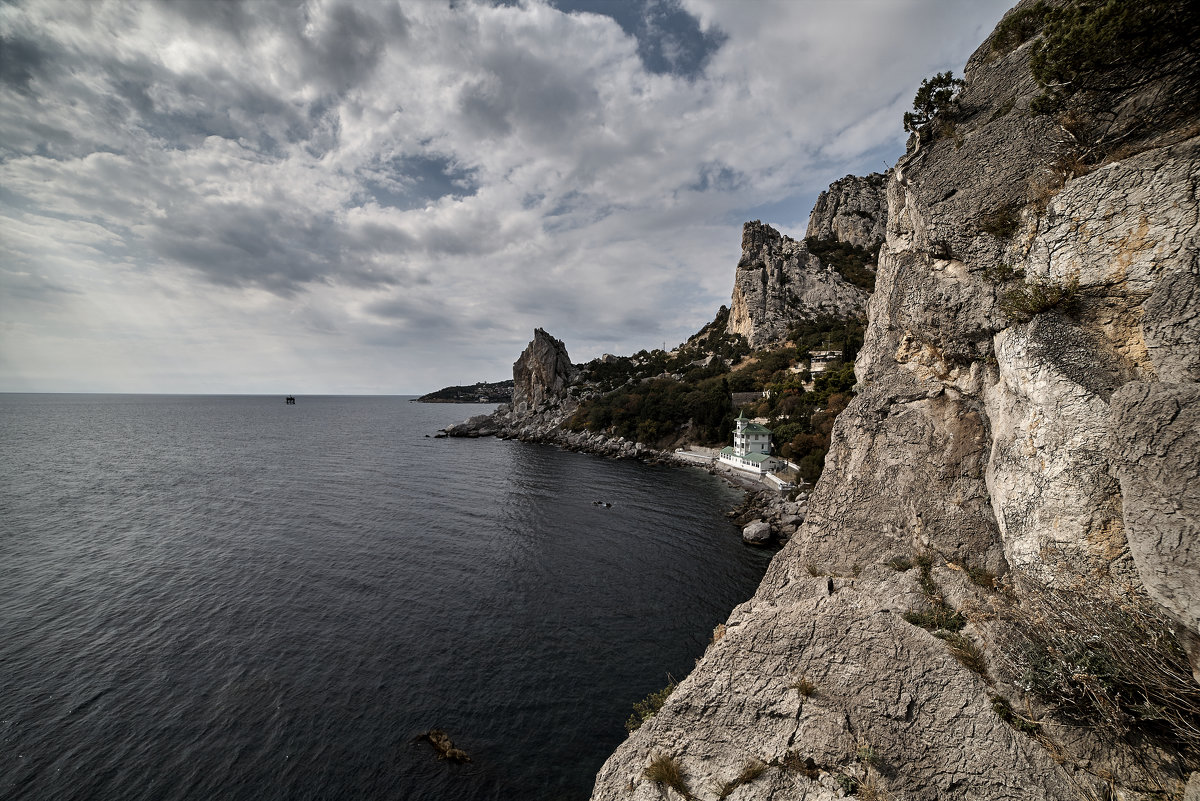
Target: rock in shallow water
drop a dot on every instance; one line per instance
(757, 533)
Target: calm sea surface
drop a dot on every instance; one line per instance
(230, 598)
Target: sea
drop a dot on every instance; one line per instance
(228, 597)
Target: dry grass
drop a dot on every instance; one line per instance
(804, 686)
(1005, 712)
(794, 763)
(1024, 302)
(665, 769)
(1109, 663)
(750, 771)
(871, 791)
(964, 649)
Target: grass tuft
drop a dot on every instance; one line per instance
(1004, 711)
(665, 769)
(804, 686)
(964, 649)
(750, 771)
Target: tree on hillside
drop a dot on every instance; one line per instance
(934, 105)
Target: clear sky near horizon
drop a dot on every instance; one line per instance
(279, 196)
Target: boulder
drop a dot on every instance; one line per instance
(757, 533)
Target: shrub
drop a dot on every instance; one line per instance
(1000, 223)
(980, 577)
(855, 264)
(1004, 711)
(1002, 273)
(1028, 300)
(1112, 664)
(1018, 27)
(1107, 45)
(941, 618)
(648, 707)
(866, 755)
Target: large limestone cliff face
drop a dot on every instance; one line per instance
(779, 283)
(851, 210)
(1057, 449)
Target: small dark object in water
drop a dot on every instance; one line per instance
(290, 400)
(445, 749)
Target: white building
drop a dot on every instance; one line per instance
(751, 449)
(821, 360)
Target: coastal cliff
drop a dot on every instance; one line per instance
(996, 591)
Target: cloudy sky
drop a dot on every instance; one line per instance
(317, 196)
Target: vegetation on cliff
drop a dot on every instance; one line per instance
(665, 399)
(855, 263)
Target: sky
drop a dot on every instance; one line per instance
(318, 196)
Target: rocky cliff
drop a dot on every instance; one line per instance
(542, 373)
(852, 210)
(1000, 562)
(780, 283)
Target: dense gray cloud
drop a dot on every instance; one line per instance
(319, 195)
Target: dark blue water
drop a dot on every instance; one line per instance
(227, 597)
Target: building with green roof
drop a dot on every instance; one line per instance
(751, 449)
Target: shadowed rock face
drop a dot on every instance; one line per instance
(1054, 449)
(779, 284)
(541, 374)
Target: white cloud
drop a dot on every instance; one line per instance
(370, 196)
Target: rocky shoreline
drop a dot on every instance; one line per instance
(766, 516)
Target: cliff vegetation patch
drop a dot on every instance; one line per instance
(1111, 664)
(1024, 302)
(856, 264)
(649, 706)
(665, 769)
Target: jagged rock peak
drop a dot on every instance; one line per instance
(779, 284)
(542, 373)
(852, 210)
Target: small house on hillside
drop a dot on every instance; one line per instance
(822, 360)
(742, 398)
(751, 450)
